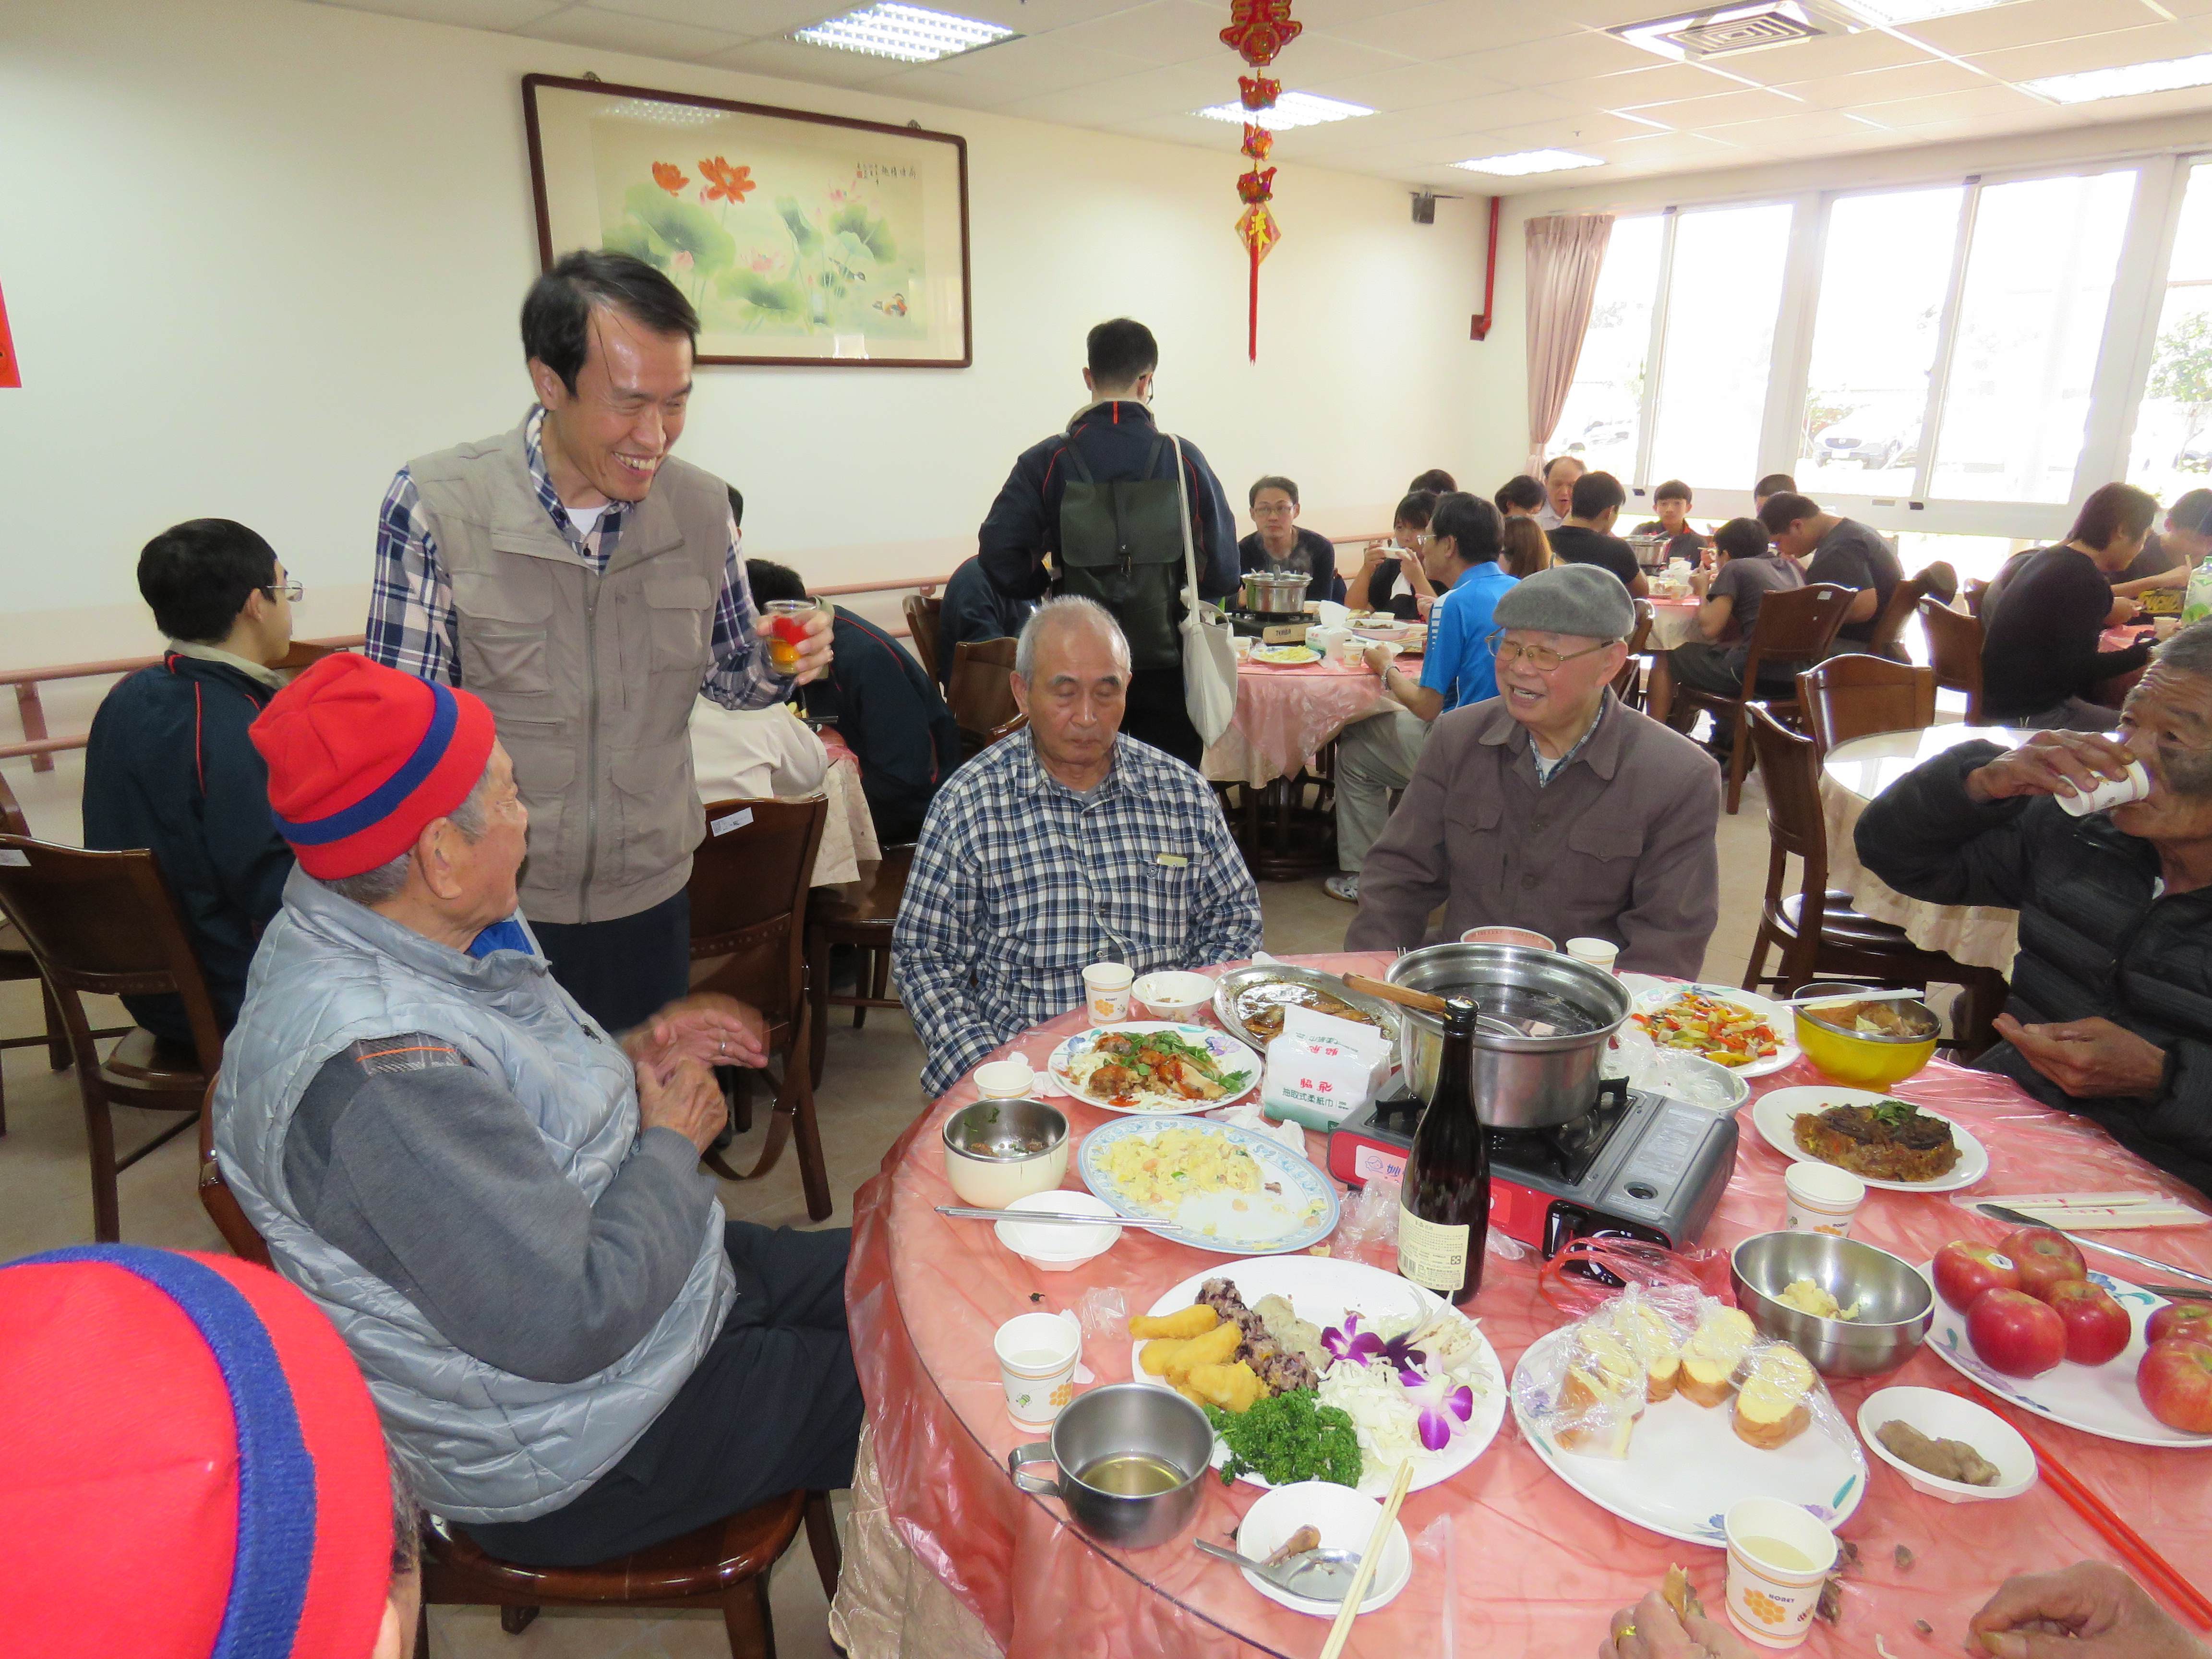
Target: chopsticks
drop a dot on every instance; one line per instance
(968, 1213)
(2155, 1571)
(1341, 1631)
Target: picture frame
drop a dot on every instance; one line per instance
(805, 241)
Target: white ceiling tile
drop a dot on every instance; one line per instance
(1581, 55)
(1041, 63)
(1453, 28)
(2029, 24)
(1579, 132)
(2110, 50)
(1172, 92)
(467, 14)
(1027, 16)
(1657, 151)
(1832, 54)
(1809, 132)
(1504, 109)
(1646, 86)
(609, 31)
(1163, 32)
(1878, 86)
(1329, 14)
(932, 85)
(1991, 99)
(820, 65)
(1411, 87)
(749, 19)
(1613, 14)
(1717, 109)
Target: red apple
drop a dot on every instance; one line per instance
(2044, 1258)
(2097, 1326)
(2181, 1319)
(2013, 1332)
(2175, 1381)
(1963, 1269)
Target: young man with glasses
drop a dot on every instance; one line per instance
(1553, 806)
(168, 765)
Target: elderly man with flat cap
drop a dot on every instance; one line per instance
(1551, 805)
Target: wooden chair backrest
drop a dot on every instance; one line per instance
(922, 617)
(12, 821)
(1642, 632)
(104, 923)
(1954, 651)
(1889, 626)
(1851, 695)
(748, 884)
(1977, 591)
(303, 655)
(1004, 731)
(982, 691)
(1795, 624)
(1790, 763)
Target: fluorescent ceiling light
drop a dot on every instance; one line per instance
(1522, 163)
(1917, 11)
(1292, 109)
(2086, 86)
(909, 34)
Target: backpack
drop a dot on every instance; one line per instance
(1121, 544)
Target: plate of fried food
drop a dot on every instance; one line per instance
(1666, 1413)
(1739, 1029)
(1885, 1142)
(1227, 1189)
(1154, 1065)
(1313, 1369)
(1286, 656)
(1250, 1002)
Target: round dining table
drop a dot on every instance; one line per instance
(947, 1557)
(1851, 774)
(1673, 621)
(1285, 715)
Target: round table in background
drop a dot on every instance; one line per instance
(947, 1557)
(1285, 716)
(1673, 621)
(1853, 774)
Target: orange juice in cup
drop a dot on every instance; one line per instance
(785, 625)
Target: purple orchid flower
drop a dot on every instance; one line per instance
(1445, 1410)
(1366, 1347)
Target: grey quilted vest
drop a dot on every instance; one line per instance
(477, 1444)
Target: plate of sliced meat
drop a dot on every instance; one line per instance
(1887, 1142)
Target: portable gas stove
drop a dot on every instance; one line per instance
(1638, 1166)
(1272, 626)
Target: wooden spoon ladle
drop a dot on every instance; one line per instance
(1421, 1001)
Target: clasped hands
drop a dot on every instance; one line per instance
(674, 1053)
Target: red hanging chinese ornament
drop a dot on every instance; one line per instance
(1258, 29)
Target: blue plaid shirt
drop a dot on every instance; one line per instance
(1018, 885)
(412, 625)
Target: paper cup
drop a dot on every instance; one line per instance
(1820, 1198)
(1600, 953)
(1770, 1596)
(1005, 1079)
(1037, 1353)
(1106, 992)
(2111, 793)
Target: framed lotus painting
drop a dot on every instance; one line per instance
(802, 239)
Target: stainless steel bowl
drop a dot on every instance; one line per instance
(1897, 1303)
(1521, 1082)
(1122, 1418)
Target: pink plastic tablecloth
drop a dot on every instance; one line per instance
(1537, 1566)
(1673, 622)
(1283, 717)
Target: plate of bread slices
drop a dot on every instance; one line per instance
(1665, 1408)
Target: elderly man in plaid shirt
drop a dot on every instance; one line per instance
(1063, 845)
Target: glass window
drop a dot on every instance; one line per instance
(2173, 447)
(1722, 297)
(1884, 275)
(2030, 318)
(1602, 419)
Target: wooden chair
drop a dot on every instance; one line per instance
(864, 920)
(1820, 936)
(1628, 685)
(1795, 624)
(1954, 651)
(1889, 626)
(1977, 591)
(724, 1564)
(923, 617)
(17, 964)
(749, 894)
(105, 923)
(1853, 696)
(982, 691)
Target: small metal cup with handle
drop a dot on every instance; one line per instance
(1122, 1420)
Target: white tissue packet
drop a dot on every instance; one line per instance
(1321, 1069)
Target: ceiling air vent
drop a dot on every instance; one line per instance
(1723, 31)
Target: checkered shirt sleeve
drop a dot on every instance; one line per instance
(411, 604)
(741, 676)
(1016, 886)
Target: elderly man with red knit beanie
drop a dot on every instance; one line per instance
(498, 1203)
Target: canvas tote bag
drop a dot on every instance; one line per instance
(1209, 661)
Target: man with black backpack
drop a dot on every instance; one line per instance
(1102, 501)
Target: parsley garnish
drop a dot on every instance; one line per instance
(1289, 1437)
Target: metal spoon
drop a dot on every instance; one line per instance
(1317, 1574)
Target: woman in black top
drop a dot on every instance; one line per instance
(1371, 587)
(2039, 639)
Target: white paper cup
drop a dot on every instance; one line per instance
(1598, 952)
(1037, 1353)
(1768, 1601)
(2110, 792)
(1820, 1198)
(1106, 992)
(1005, 1079)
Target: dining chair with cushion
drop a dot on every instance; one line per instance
(1819, 935)
(981, 693)
(1954, 651)
(1795, 624)
(1853, 696)
(923, 616)
(749, 894)
(105, 924)
(861, 917)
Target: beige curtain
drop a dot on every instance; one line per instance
(1565, 252)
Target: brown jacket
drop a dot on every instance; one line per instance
(1618, 846)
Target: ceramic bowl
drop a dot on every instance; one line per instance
(1944, 1416)
(1345, 1520)
(1055, 1246)
(1179, 996)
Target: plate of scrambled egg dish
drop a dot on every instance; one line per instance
(1226, 1189)
(1154, 1065)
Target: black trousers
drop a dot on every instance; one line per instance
(1155, 713)
(774, 1406)
(624, 971)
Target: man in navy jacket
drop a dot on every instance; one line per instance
(168, 766)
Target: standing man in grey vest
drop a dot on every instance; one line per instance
(588, 586)
(1100, 500)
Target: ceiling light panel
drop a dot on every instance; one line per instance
(1521, 163)
(1292, 109)
(2128, 80)
(910, 34)
(1894, 12)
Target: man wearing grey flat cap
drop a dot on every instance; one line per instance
(1551, 805)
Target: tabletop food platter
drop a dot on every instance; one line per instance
(1244, 995)
(1192, 1178)
(1655, 999)
(1776, 1114)
(1076, 1063)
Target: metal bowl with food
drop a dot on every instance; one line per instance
(1545, 1022)
(1249, 1002)
(998, 1151)
(1780, 1277)
(1870, 1045)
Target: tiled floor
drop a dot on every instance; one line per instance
(868, 1097)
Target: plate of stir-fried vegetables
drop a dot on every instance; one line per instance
(1155, 1067)
(1739, 1029)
